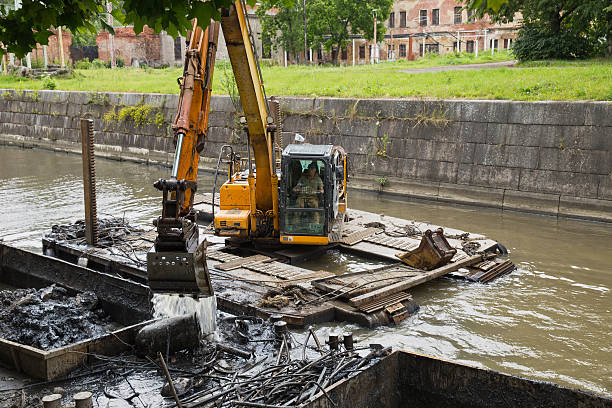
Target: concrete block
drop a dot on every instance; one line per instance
(531, 202)
(475, 132)
(604, 191)
(585, 208)
(171, 102)
(598, 114)
(358, 127)
(586, 137)
(296, 105)
(485, 111)
(155, 100)
(342, 107)
(495, 176)
(132, 99)
(406, 168)
(549, 158)
(585, 161)
(375, 108)
(556, 182)
(222, 119)
(78, 98)
(489, 155)
(297, 123)
(547, 113)
(433, 170)
(466, 152)
(74, 110)
(394, 128)
(320, 124)
(521, 156)
(464, 173)
(221, 103)
(490, 197)
(448, 152)
(419, 149)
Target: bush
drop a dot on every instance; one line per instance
(119, 62)
(81, 64)
(48, 83)
(537, 43)
(97, 64)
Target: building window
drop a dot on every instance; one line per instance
(362, 52)
(469, 47)
(494, 44)
(343, 54)
(423, 18)
(389, 51)
(505, 43)
(392, 20)
(432, 48)
(402, 19)
(320, 54)
(435, 16)
(458, 19)
(402, 51)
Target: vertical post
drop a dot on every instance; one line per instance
(424, 45)
(89, 181)
(476, 41)
(458, 42)
(310, 56)
(285, 58)
(375, 45)
(60, 41)
(492, 45)
(305, 39)
(28, 61)
(111, 38)
(410, 48)
(4, 68)
(45, 57)
(484, 45)
(353, 52)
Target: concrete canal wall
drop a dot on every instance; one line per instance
(546, 157)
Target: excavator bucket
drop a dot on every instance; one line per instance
(182, 273)
(434, 251)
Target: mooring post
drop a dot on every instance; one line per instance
(52, 401)
(83, 400)
(89, 181)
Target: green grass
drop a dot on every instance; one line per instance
(540, 80)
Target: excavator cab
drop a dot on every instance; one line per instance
(312, 198)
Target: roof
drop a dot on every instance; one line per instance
(308, 150)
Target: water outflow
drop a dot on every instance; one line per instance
(204, 308)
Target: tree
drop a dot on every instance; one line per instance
(22, 29)
(329, 22)
(554, 28)
(282, 25)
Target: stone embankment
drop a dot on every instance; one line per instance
(551, 158)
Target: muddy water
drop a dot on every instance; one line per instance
(550, 320)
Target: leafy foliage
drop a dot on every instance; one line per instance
(555, 28)
(22, 29)
(328, 22)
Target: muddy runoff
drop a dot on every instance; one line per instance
(549, 320)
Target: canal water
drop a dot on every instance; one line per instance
(550, 320)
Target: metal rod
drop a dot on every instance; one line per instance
(89, 181)
(170, 383)
(177, 154)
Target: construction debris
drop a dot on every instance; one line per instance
(49, 318)
(169, 335)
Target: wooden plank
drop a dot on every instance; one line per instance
(238, 263)
(382, 303)
(415, 281)
(358, 236)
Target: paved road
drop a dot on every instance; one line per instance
(488, 65)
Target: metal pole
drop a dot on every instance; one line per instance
(353, 52)
(89, 181)
(4, 68)
(61, 47)
(29, 61)
(177, 154)
(424, 46)
(374, 47)
(476, 46)
(484, 46)
(458, 42)
(45, 57)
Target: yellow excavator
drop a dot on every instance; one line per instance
(299, 198)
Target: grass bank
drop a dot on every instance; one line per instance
(548, 80)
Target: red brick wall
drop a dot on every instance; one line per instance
(53, 54)
(128, 45)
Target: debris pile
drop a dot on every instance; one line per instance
(111, 231)
(49, 318)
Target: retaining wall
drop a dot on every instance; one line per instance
(546, 157)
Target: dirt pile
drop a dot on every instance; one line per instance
(50, 317)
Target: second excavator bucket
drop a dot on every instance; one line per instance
(434, 251)
(182, 273)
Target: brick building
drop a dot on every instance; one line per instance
(147, 47)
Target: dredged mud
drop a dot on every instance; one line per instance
(50, 317)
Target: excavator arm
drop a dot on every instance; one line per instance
(172, 264)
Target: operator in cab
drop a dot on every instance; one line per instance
(308, 187)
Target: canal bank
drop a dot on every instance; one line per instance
(552, 158)
(549, 320)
